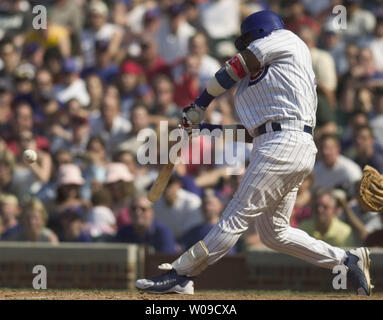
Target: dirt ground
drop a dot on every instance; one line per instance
(20, 294)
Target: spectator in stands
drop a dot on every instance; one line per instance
(376, 45)
(11, 59)
(104, 66)
(69, 14)
(101, 223)
(144, 175)
(120, 12)
(151, 21)
(367, 151)
(99, 29)
(31, 176)
(325, 118)
(362, 221)
(297, 18)
(48, 192)
(112, 92)
(72, 226)
(366, 68)
(53, 36)
(152, 63)
(356, 119)
(360, 22)
(120, 183)
(193, 14)
(376, 122)
(325, 225)
(332, 42)
(146, 229)
(130, 78)
(323, 66)
(33, 220)
(22, 120)
(136, 13)
(198, 45)
(5, 113)
(34, 54)
(62, 156)
(187, 86)
(53, 61)
(68, 195)
(128, 158)
(9, 212)
(140, 120)
(44, 85)
(334, 170)
(174, 34)
(69, 181)
(217, 27)
(165, 109)
(357, 85)
(7, 182)
(212, 208)
(179, 209)
(94, 166)
(188, 181)
(24, 77)
(109, 124)
(95, 89)
(74, 87)
(74, 137)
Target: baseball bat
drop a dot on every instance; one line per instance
(161, 182)
(163, 178)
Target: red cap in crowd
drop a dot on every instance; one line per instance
(131, 67)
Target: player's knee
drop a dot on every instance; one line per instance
(274, 239)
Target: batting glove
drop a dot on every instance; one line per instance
(192, 115)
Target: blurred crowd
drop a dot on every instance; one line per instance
(80, 92)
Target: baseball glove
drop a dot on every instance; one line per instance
(371, 189)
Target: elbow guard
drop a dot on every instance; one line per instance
(225, 78)
(234, 70)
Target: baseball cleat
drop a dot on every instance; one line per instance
(358, 264)
(170, 282)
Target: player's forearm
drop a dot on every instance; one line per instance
(224, 79)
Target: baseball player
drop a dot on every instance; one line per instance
(276, 101)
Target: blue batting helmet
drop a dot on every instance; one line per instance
(256, 26)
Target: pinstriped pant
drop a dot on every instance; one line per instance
(266, 196)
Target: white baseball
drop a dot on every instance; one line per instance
(194, 116)
(30, 155)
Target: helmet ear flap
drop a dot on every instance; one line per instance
(243, 41)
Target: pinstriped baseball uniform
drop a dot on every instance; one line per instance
(283, 91)
(284, 88)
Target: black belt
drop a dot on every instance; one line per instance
(276, 126)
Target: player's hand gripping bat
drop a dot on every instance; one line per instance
(162, 180)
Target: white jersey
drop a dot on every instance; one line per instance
(284, 88)
(284, 91)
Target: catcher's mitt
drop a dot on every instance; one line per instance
(371, 189)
